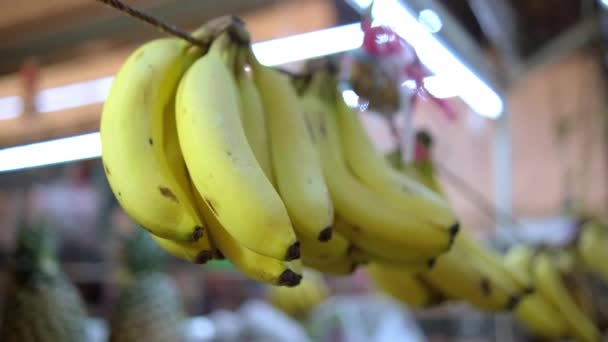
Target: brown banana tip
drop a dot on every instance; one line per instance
(529, 290)
(486, 287)
(354, 267)
(197, 233)
(325, 234)
(431, 263)
(349, 250)
(293, 252)
(289, 278)
(203, 257)
(513, 302)
(454, 229)
(219, 255)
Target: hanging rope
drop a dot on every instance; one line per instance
(168, 28)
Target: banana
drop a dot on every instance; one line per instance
(302, 298)
(221, 163)
(518, 261)
(336, 266)
(337, 247)
(456, 278)
(134, 142)
(404, 286)
(534, 311)
(493, 262)
(295, 159)
(592, 246)
(365, 257)
(355, 202)
(383, 249)
(198, 252)
(256, 266)
(373, 170)
(253, 117)
(549, 284)
(537, 314)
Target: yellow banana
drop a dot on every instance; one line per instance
(518, 261)
(592, 246)
(456, 278)
(493, 261)
(302, 298)
(373, 170)
(295, 159)
(549, 284)
(364, 257)
(404, 286)
(134, 143)
(356, 203)
(337, 247)
(534, 311)
(383, 249)
(221, 163)
(253, 117)
(256, 266)
(198, 252)
(336, 266)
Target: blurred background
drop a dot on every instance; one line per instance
(518, 118)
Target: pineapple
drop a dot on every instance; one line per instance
(149, 308)
(42, 305)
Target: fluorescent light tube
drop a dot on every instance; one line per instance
(49, 152)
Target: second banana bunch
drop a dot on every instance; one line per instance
(218, 156)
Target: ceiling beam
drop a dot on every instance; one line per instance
(57, 41)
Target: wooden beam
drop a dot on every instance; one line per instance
(73, 121)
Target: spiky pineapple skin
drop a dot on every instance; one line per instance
(149, 310)
(45, 309)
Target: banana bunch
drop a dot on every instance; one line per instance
(592, 247)
(405, 232)
(552, 310)
(218, 156)
(178, 157)
(301, 299)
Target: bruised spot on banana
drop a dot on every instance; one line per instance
(325, 234)
(203, 257)
(166, 192)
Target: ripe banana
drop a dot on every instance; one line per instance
(356, 203)
(373, 170)
(404, 286)
(537, 314)
(364, 257)
(518, 261)
(383, 249)
(337, 247)
(456, 278)
(534, 311)
(295, 159)
(492, 261)
(198, 252)
(299, 300)
(592, 246)
(222, 165)
(253, 116)
(336, 266)
(549, 284)
(134, 142)
(256, 266)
